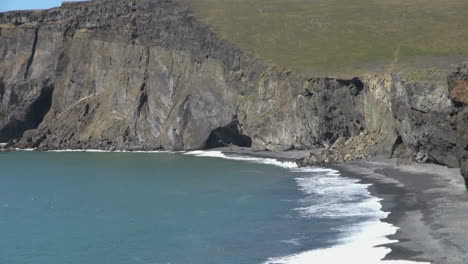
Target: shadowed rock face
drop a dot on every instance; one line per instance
(406, 120)
(145, 74)
(458, 86)
(227, 136)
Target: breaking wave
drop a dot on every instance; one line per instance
(329, 195)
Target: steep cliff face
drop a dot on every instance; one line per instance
(403, 119)
(142, 74)
(146, 74)
(118, 74)
(420, 116)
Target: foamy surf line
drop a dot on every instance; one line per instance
(219, 154)
(360, 242)
(99, 150)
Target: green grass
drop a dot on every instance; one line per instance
(343, 36)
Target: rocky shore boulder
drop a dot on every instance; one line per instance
(362, 146)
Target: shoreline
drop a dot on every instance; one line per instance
(428, 203)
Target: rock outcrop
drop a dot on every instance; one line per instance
(146, 74)
(411, 121)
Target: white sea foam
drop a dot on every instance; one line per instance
(358, 247)
(100, 150)
(330, 195)
(333, 196)
(25, 149)
(79, 150)
(294, 241)
(219, 154)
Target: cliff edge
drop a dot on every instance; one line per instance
(145, 75)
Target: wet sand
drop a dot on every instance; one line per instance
(428, 202)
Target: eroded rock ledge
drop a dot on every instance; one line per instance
(141, 74)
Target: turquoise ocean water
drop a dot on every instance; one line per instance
(98, 208)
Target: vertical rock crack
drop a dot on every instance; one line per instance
(33, 53)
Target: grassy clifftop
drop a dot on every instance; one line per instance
(343, 36)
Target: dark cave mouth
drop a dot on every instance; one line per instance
(34, 115)
(228, 135)
(39, 108)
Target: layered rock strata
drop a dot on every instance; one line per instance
(142, 74)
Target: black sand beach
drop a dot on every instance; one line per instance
(428, 202)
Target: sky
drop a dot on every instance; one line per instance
(8, 5)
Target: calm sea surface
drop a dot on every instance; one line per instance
(98, 208)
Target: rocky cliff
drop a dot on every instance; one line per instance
(146, 74)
